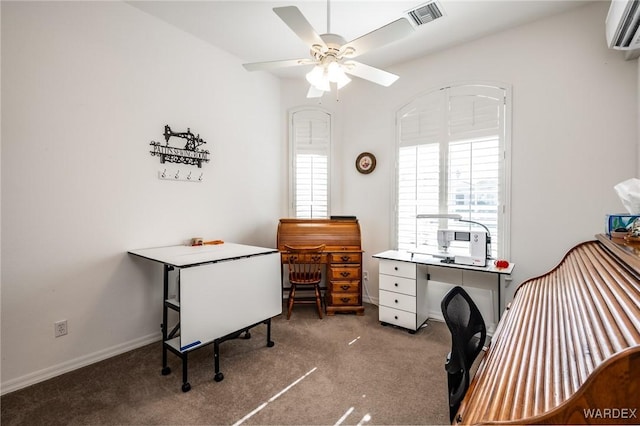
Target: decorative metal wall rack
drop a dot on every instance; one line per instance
(191, 154)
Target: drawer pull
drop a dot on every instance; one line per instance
(395, 268)
(395, 316)
(345, 274)
(345, 258)
(396, 300)
(345, 287)
(345, 299)
(396, 284)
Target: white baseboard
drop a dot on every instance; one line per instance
(74, 364)
(370, 300)
(367, 297)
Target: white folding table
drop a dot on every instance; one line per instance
(224, 291)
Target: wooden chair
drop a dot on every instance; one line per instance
(305, 272)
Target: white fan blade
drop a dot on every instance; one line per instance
(263, 66)
(389, 33)
(314, 93)
(370, 73)
(295, 20)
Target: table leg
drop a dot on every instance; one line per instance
(269, 341)
(218, 377)
(499, 297)
(186, 386)
(165, 294)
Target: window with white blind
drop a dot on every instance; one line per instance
(452, 160)
(310, 148)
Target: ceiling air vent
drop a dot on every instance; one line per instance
(425, 13)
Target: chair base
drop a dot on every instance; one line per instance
(293, 300)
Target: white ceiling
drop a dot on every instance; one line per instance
(251, 30)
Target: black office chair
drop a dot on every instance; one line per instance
(468, 334)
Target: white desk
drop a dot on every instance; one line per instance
(224, 290)
(411, 287)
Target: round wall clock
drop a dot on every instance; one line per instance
(366, 162)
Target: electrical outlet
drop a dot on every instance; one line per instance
(60, 328)
(365, 275)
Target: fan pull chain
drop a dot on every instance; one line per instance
(328, 17)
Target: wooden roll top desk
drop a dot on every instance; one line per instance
(567, 349)
(343, 257)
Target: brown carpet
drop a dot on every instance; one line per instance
(353, 370)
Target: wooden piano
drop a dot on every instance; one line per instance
(343, 257)
(567, 349)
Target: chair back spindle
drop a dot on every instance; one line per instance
(305, 270)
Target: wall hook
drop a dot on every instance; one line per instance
(177, 176)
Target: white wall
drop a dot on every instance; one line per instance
(85, 87)
(574, 133)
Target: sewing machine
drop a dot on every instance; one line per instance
(477, 246)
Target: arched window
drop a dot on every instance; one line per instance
(453, 158)
(310, 150)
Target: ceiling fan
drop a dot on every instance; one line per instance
(332, 55)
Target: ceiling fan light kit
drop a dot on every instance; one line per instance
(336, 74)
(321, 76)
(332, 56)
(317, 77)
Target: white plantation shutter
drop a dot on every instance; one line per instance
(475, 111)
(421, 124)
(451, 161)
(310, 153)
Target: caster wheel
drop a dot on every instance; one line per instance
(247, 335)
(270, 344)
(412, 331)
(166, 371)
(218, 377)
(384, 324)
(186, 387)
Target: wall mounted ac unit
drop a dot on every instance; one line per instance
(622, 24)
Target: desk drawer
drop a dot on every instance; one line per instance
(399, 269)
(344, 299)
(398, 301)
(284, 257)
(397, 317)
(345, 286)
(345, 257)
(398, 284)
(344, 272)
